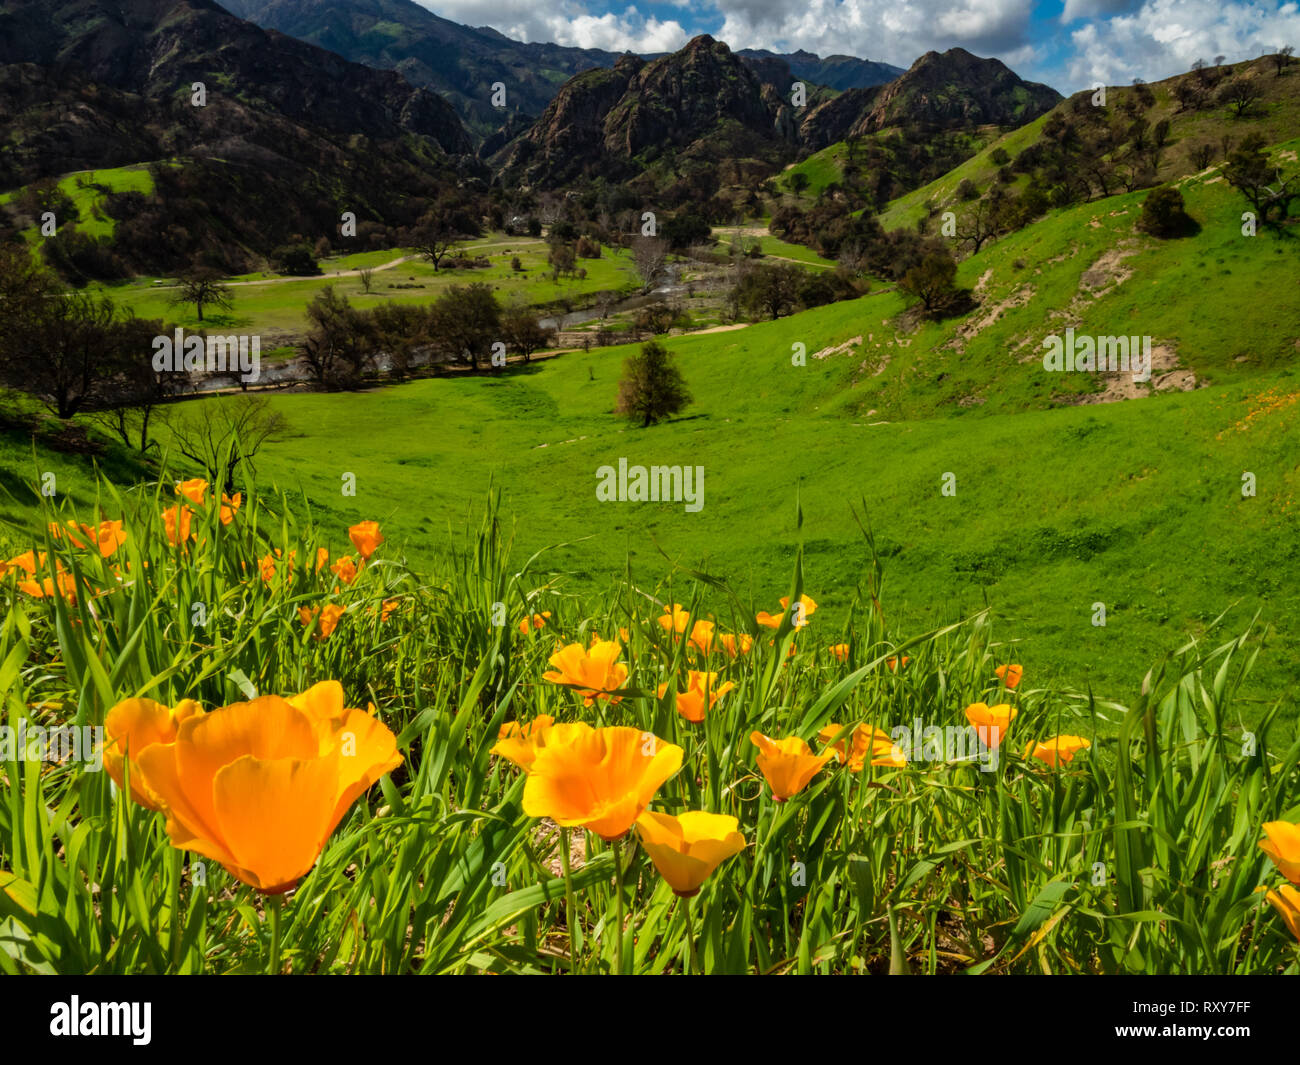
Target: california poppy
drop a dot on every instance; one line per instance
(260, 786)
(991, 722)
(107, 537)
(195, 490)
(131, 727)
(868, 741)
(892, 663)
(1060, 749)
(840, 651)
(735, 646)
(687, 848)
(534, 621)
(787, 764)
(702, 691)
(1286, 900)
(365, 537)
(674, 619)
(1281, 842)
(702, 636)
(519, 742)
(230, 507)
(329, 614)
(176, 523)
(593, 671)
(1010, 675)
(345, 569)
(599, 779)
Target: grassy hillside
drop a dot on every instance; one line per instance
(1062, 501)
(87, 189)
(1276, 118)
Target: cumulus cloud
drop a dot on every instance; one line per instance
(1112, 41)
(895, 31)
(1077, 9)
(1165, 37)
(569, 23)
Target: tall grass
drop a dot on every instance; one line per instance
(1140, 856)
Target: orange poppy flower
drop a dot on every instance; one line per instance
(867, 741)
(62, 585)
(176, 523)
(593, 671)
(787, 764)
(734, 646)
(519, 743)
(260, 786)
(330, 614)
(107, 537)
(674, 619)
(1059, 749)
(687, 849)
(702, 636)
(991, 722)
(345, 570)
(389, 605)
(703, 690)
(230, 507)
(599, 779)
(798, 619)
(892, 663)
(1010, 675)
(195, 490)
(365, 537)
(534, 621)
(322, 558)
(130, 728)
(28, 562)
(1281, 842)
(1286, 900)
(840, 651)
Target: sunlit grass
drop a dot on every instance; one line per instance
(1139, 856)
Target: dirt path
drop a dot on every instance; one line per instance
(337, 273)
(525, 241)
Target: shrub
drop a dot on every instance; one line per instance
(1164, 214)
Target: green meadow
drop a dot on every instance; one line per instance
(277, 305)
(1057, 503)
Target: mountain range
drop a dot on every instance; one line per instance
(463, 63)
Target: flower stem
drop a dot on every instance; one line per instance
(178, 905)
(690, 939)
(618, 891)
(575, 937)
(274, 903)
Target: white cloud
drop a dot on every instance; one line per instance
(1165, 37)
(895, 31)
(1112, 41)
(570, 23)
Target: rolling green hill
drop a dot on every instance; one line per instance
(1060, 503)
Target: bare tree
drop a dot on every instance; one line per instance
(1282, 59)
(649, 254)
(218, 434)
(367, 276)
(978, 226)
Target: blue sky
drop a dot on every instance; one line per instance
(1069, 44)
